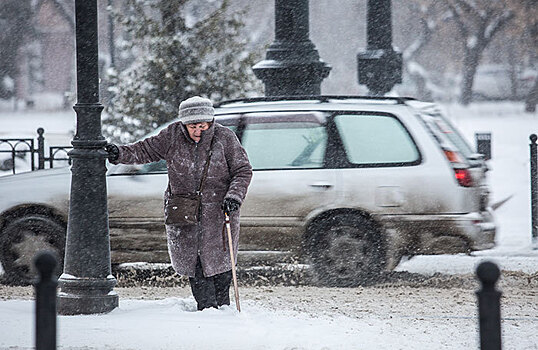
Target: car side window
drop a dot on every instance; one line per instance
(376, 140)
(155, 167)
(285, 144)
(230, 121)
(138, 169)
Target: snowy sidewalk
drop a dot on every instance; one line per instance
(173, 323)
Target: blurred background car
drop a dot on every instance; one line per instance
(503, 82)
(347, 184)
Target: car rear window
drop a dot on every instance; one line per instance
(376, 140)
(272, 143)
(454, 136)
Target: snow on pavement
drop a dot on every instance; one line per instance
(173, 323)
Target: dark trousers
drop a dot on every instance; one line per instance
(211, 291)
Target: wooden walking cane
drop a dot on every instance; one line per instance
(230, 246)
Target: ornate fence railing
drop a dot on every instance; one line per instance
(20, 148)
(17, 148)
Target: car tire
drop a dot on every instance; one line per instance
(22, 238)
(346, 251)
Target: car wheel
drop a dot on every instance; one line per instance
(20, 241)
(347, 250)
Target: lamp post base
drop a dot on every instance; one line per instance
(85, 296)
(291, 78)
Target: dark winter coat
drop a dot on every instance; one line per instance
(228, 176)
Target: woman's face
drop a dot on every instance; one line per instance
(195, 130)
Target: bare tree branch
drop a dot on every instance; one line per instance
(470, 7)
(457, 17)
(497, 24)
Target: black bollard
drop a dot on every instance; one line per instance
(534, 190)
(489, 306)
(45, 310)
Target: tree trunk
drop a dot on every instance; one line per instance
(532, 98)
(423, 93)
(470, 64)
(512, 63)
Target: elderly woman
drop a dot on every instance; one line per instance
(198, 250)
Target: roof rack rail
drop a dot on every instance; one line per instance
(320, 98)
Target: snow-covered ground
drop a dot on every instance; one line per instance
(59, 127)
(302, 318)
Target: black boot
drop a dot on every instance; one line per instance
(203, 289)
(222, 287)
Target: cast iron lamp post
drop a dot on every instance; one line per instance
(292, 65)
(86, 286)
(379, 66)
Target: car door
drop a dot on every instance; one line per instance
(287, 151)
(385, 172)
(135, 206)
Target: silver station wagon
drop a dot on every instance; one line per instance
(347, 184)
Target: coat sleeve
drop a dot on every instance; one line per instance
(239, 167)
(151, 149)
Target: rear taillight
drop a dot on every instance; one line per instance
(461, 172)
(463, 176)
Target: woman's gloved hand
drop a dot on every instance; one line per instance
(229, 205)
(113, 151)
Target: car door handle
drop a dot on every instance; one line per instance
(322, 185)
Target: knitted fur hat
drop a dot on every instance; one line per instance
(196, 110)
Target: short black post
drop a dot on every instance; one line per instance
(40, 149)
(45, 290)
(379, 66)
(489, 306)
(292, 65)
(534, 191)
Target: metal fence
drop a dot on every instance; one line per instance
(20, 148)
